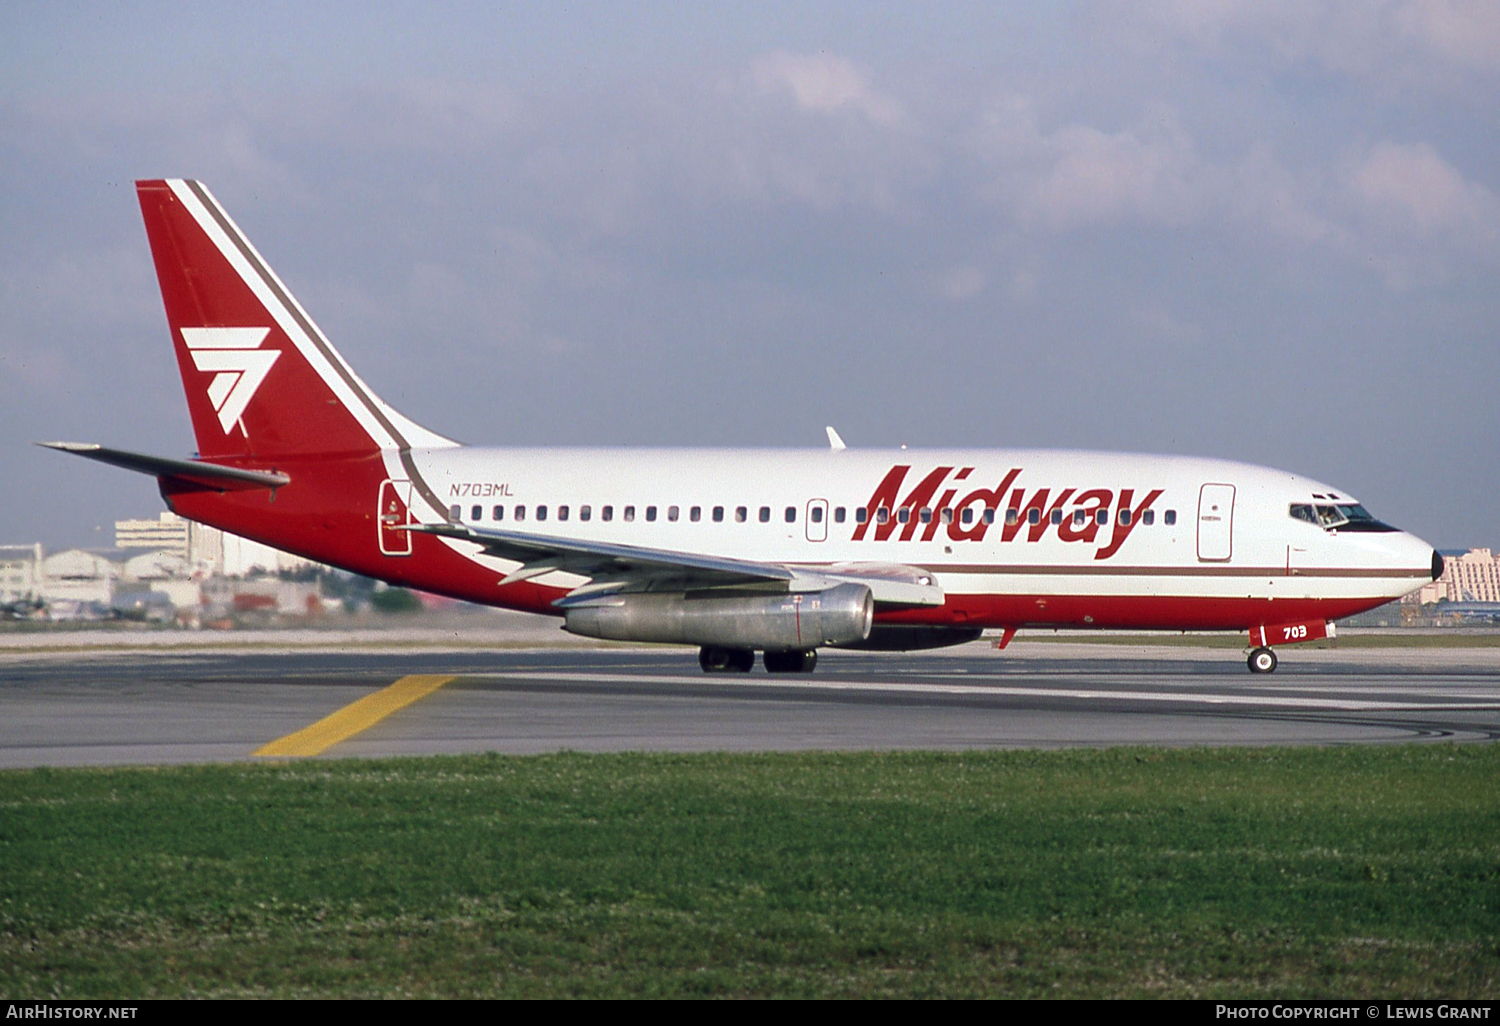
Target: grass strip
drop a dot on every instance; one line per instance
(1370, 871)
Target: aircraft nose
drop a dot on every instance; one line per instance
(1437, 565)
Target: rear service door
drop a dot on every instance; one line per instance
(1215, 522)
(395, 500)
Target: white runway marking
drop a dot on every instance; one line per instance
(1001, 690)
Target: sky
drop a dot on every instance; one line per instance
(1264, 230)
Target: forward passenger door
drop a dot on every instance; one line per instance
(1215, 523)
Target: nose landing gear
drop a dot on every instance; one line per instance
(1262, 660)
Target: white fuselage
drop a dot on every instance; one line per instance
(805, 506)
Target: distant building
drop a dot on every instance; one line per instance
(20, 572)
(1472, 576)
(206, 551)
(160, 565)
(242, 557)
(78, 576)
(167, 533)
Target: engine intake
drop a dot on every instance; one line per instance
(840, 615)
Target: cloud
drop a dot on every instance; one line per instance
(1411, 39)
(823, 83)
(1463, 32)
(1078, 174)
(959, 283)
(1398, 209)
(1157, 325)
(1097, 176)
(1416, 188)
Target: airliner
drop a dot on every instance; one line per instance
(736, 551)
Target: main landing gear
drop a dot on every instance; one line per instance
(1262, 660)
(714, 659)
(791, 662)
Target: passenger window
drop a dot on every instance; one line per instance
(650, 514)
(838, 514)
(1079, 516)
(718, 514)
(628, 514)
(924, 515)
(903, 515)
(1056, 516)
(989, 515)
(1169, 517)
(476, 512)
(1149, 517)
(520, 512)
(672, 514)
(607, 514)
(1101, 517)
(1124, 517)
(741, 514)
(765, 514)
(1033, 515)
(861, 515)
(791, 514)
(882, 515)
(695, 514)
(947, 516)
(562, 512)
(817, 514)
(541, 512)
(1013, 517)
(585, 512)
(455, 514)
(498, 513)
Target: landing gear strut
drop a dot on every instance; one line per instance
(714, 659)
(1262, 660)
(791, 662)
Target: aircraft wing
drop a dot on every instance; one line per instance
(620, 568)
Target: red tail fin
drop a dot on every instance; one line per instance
(261, 379)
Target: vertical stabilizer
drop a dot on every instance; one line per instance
(261, 379)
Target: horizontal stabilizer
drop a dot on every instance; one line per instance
(209, 475)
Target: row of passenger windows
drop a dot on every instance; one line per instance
(883, 515)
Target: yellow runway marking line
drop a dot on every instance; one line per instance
(354, 717)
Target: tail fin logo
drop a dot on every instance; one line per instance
(238, 364)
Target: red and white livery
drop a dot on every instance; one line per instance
(733, 550)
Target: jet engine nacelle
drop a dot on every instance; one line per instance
(840, 615)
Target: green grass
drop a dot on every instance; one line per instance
(1370, 871)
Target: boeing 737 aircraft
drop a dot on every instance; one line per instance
(735, 551)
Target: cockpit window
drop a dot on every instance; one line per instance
(1344, 516)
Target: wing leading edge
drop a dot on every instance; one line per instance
(614, 568)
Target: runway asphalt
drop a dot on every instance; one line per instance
(219, 704)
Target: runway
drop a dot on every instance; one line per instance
(177, 706)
